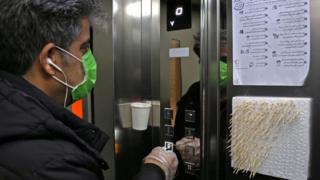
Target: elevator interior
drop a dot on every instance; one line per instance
(134, 66)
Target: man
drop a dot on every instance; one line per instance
(45, 65)
(191, 101)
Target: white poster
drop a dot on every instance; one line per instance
(271, 42)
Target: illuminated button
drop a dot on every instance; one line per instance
(190, 116)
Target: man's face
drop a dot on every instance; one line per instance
(72, 67)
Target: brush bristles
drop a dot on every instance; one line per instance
(255, 127)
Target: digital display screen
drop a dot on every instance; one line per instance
(178, 14)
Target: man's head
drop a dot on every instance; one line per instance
(223, 43)
(30, 30)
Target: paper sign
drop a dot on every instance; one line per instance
(178, 52)
(271, 42)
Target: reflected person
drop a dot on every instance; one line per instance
(187, 133)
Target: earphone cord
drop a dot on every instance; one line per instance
(67, 89)
(67, 86)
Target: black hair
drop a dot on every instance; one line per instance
(28, 25)
(196, 45)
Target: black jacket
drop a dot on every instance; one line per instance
(41, 140)
(189, 101)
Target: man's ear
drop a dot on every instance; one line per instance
(46, 55)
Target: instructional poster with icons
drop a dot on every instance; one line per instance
(271, 42)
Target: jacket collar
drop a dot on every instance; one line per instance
(84, 133)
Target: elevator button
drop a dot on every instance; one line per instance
(168, 113)
(189, 132)
(168, 146)
(168, 130)
(190, 116)
(189, 167)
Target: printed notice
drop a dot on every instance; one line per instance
(271, 42)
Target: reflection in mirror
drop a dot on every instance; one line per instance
(180, 84)
(180, 87)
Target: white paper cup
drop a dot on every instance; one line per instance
(125, 114)
(140, 115)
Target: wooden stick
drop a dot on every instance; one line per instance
(175, 80)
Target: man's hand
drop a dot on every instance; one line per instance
(189, 148)
(166, 160)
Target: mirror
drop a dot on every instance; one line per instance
(180, 81)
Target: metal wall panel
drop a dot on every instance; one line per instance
(135, 39)
(210, 30)
(155, 66)
(102, 103)
(311, 89)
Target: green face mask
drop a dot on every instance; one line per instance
(90, 75)
(90, 68)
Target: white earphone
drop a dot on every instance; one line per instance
(49, 61)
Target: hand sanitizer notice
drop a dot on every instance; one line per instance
(271, 42)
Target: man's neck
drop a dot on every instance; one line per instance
(44, 84)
